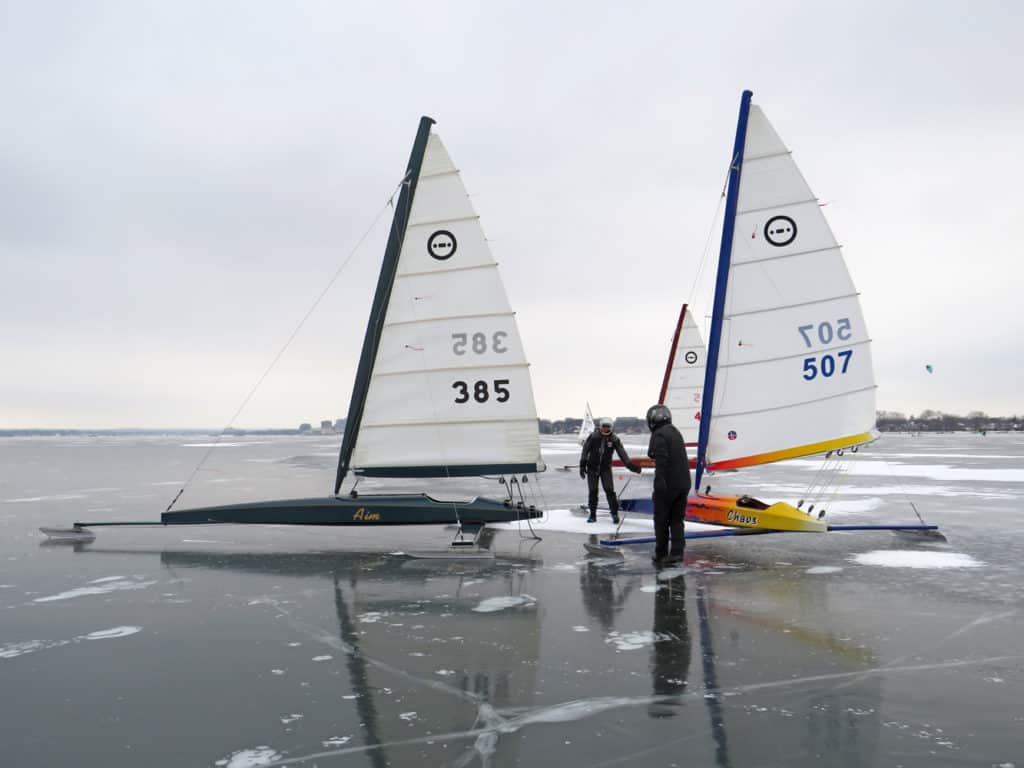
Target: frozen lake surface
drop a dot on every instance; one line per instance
(249, 646)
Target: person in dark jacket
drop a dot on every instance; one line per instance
(671, 485)
(596, 462)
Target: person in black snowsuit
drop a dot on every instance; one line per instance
(671, 485)
(596, 461)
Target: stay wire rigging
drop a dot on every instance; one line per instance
(330, 283)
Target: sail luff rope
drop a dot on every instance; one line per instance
(291, 338)
(703, 263)
(711, 232)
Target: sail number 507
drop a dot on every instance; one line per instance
(825, 333)
(481, 392)
(826, 364)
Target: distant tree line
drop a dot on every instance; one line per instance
(626, 425)
(937, 421)
(887, 421)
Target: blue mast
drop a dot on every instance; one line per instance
(374, 325)
(721, 283)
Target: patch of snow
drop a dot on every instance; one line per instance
(106, 634)
(336, 741)
(55, 497)
(906, 558)
(107, 588)
(492, 604)
(249, 758)
(630, 641)
(567, 521)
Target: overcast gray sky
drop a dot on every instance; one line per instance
(180, 180)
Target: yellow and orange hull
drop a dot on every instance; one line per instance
(743, 512)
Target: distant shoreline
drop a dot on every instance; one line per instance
(147, 431)
(198, 432)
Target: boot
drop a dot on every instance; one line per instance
(674, 558)
(615, 518)
(593, 517)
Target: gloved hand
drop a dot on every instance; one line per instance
(634, 468)
(583, 472)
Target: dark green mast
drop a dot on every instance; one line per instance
(375, 324)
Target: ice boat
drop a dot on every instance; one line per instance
(443, 386)
(788, 371)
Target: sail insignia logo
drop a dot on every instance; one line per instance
(442, 245)
(780, 231)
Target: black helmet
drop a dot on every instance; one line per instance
(658, 415)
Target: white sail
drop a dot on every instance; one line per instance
(684, 384)
(449, 391)
(794, 372)
(587, 426)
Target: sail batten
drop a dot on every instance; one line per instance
(766, 156)
(418, 370)
(745, 211)
(782, 307)
(799, 403)
(450, 269)
(758, 361)
(435, 174)
(750, 262)
(451, 317)
(452, 220)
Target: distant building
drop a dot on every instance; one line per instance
(326, 427)
(305, 428)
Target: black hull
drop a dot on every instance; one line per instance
(367, 510)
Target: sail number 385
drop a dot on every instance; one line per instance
(479, 343)
(481, 392)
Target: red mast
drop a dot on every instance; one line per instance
(671, 356)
